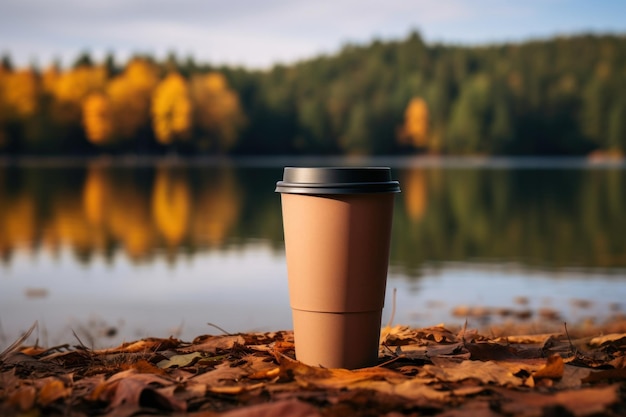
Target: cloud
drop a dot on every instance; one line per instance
(259, 33)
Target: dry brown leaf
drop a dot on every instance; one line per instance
(52, 390)
(619, 362)
(486, 372)
(438, 334)
(235, 389)
(606, 375)
(223, 374)
(609, 338)
(397, 335)
(211, 344)
(23, 398)
(488, 351)
(528, 339)
(108, 390)
(553, 369)
(582, 402)
(134, 392)
(145, 345)
(307, 375)
(413, 389)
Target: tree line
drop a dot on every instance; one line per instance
(565, 95)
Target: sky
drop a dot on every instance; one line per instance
(261, 33)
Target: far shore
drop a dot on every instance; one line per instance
(398, 161)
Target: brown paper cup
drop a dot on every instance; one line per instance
(337, 224)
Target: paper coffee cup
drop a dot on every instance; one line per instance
(337, 225)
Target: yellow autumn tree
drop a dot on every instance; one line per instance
(129, 96)
(97, 118)
(171, 109)
(415, 130)
(21, 93)
(217, 111)
(71, 88)
(49, 78)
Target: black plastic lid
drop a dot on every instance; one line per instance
(337, 180)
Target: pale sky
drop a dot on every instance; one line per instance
(259, 33)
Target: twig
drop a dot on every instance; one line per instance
(392, 360)
(16, 345)
(220, 329)
(82, 345)
(571, 345)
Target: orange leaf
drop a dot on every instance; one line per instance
(553, 369)
(23, 398)
(51, 391)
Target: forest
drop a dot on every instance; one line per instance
(558, 96)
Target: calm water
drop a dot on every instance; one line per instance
(126, 250)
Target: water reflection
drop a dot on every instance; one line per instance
(540, 218)
(534, 218)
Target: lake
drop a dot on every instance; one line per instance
(116, 250)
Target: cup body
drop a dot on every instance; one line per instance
(337, 237)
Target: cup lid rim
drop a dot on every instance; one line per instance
(337, 180)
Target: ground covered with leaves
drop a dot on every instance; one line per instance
(436, 371)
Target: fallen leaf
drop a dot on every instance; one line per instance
(413, 389)
(487, 351)
(134, 392)
(235, 389)
(23, 398)
(180, 361)
(307, 375)
(222, 374)
(146, 345)
(211, 344)
(553, 369)
(528, 339)
(582, 402)
(52, 390)
(107, 390)
(438, 334)
(486, 372)
(606, 375)
(609, 338)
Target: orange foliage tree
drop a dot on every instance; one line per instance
(217, 112)
(415, 130)
(123, 109)
(171, 109)
(71, 88)
(21, 92)
(97, 118)
(130, 95)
